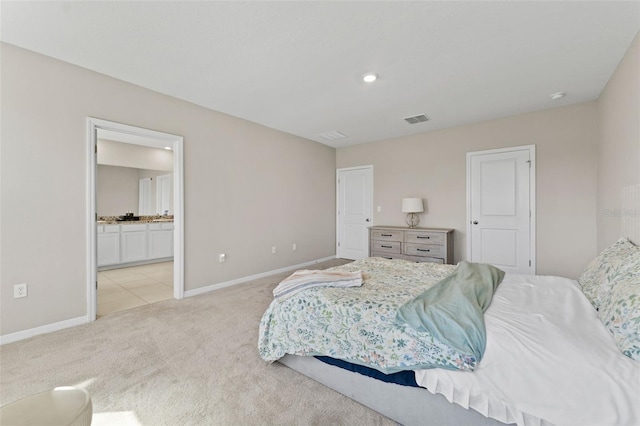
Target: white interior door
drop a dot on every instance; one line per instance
(144, 197)
(163, 194)
(355, 193)
(501, 209)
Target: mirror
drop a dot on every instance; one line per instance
(133, 178)
(127, 189)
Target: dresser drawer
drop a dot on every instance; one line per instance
(386, 255)
(386, 235)
(422, 259)
(424, 250)
(385, 246)
(424, 237)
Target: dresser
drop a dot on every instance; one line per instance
(414, 244)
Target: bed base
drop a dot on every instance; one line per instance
(403, 404)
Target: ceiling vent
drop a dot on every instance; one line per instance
(332, 136)
(421, 118)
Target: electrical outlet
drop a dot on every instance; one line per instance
(273, 250)
(294, 247)
(222, 257)
(20, 290)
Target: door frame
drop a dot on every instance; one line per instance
(152, 139)
(346, 169)
(532, 197)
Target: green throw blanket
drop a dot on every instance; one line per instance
(453, 309)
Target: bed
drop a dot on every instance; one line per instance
(558, 351)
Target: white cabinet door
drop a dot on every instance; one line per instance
(160, 244)
(108, 248)
(134, 246)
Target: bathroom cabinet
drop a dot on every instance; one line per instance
(136, 243)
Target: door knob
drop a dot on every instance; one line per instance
(475, 222)
(367, 219)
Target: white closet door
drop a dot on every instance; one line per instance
(354, 212)
(163, 194)
(144, 197)
(500, 210)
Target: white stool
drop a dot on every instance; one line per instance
(66, 406)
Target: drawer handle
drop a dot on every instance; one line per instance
(386, 235)
(390, 258)
(422, 238)
(386, 246)
(423, 249)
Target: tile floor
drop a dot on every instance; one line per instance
(126, 288)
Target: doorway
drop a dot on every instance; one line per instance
(147, 138)
(354, 211)
(501, 208)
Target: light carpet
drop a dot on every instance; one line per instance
(179, 362)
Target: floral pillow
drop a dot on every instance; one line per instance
(605, 270)
(620, 312)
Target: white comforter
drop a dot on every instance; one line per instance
(549, 360)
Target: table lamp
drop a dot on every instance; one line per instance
(411, 206)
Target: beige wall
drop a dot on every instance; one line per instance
(247, 187)
(619, 141)
(433, 166)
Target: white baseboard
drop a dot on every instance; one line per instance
(202, 290)
(25, 334)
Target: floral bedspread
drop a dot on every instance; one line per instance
(358, 324)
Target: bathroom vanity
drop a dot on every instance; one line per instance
(133, 243)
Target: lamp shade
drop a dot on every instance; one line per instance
(412, 205)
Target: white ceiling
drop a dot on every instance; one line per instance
(297, 66)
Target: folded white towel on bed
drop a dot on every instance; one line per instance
(304, 279)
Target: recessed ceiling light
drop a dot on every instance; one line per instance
(558, 95)
(168, 148)
(369, 77)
